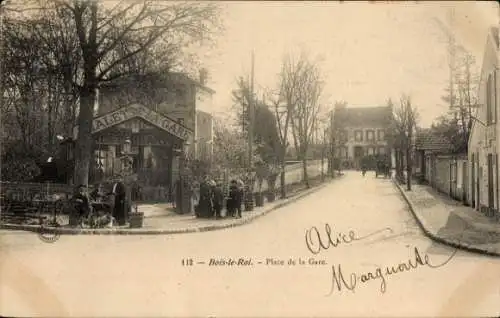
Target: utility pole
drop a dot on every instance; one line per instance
(251, 113)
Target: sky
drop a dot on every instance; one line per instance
(367, 52)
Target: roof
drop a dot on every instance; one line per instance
(363, 116)
(158, 79)
(195, 82)
(426, 140)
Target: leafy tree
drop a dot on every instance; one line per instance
(451, 129)
(265, 132)
(230, 148)
(19, 163)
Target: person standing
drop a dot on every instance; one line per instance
(119, 206)
(81, 205)
(218, 198)
(235, 198)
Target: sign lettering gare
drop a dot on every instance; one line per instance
(136, 110)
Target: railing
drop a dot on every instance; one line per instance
(30, 191)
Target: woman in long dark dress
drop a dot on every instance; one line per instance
(119, 206)
(205, 205)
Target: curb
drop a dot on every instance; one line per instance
(434, 237)
(72, 231)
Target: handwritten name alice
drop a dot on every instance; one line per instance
(317, 241)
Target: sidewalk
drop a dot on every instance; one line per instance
(449, 222)
(161, 219)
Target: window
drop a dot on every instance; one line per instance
(371, 151)
(343, 136)
(370, 135)
(380, 134)
(180, 96)
(490, 101)
(381, 150)
(358, 135)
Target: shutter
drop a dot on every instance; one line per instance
(496, 180)
(494, 91)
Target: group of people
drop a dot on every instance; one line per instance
(212, 196)
(93, 208)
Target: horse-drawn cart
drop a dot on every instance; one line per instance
(383, 168)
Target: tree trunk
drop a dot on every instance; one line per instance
(408, 169)
(84, 141)
(282, 180)
(396, 157)
(304, 171)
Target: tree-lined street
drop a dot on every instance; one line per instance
(234, 159)
(144, 275)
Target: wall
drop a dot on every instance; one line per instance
(447, 172)
(483, 140)
(204, 133)
(202, 148)
(174, 97)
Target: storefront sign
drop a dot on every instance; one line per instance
(135, 110)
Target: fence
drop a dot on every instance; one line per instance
(31, 191)
(294, 174)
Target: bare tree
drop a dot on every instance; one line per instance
(337, 138)
(463, 81)
(283, 113)
(405, 122)
(307, 109)
(95, 43)
(284, 102)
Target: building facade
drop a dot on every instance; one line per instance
(150, 121)
(360, 132)
(484, 141)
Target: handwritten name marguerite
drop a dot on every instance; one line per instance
(339, 277)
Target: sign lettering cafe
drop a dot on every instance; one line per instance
(136, 110)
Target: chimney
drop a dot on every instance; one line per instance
(203, 76)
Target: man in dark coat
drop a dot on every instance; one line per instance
(218, 200)
(235, 198)
(81, 205)
(119, 206)
(205, 202)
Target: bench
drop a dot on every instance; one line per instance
(21, 212)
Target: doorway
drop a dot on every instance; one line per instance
(358, 154)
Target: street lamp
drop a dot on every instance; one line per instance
(126, 174)
(183, 205)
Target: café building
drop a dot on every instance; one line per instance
(145, 126)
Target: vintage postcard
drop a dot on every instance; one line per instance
(249, 159)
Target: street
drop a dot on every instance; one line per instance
(145, 275)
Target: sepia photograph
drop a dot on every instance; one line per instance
(249, 158)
